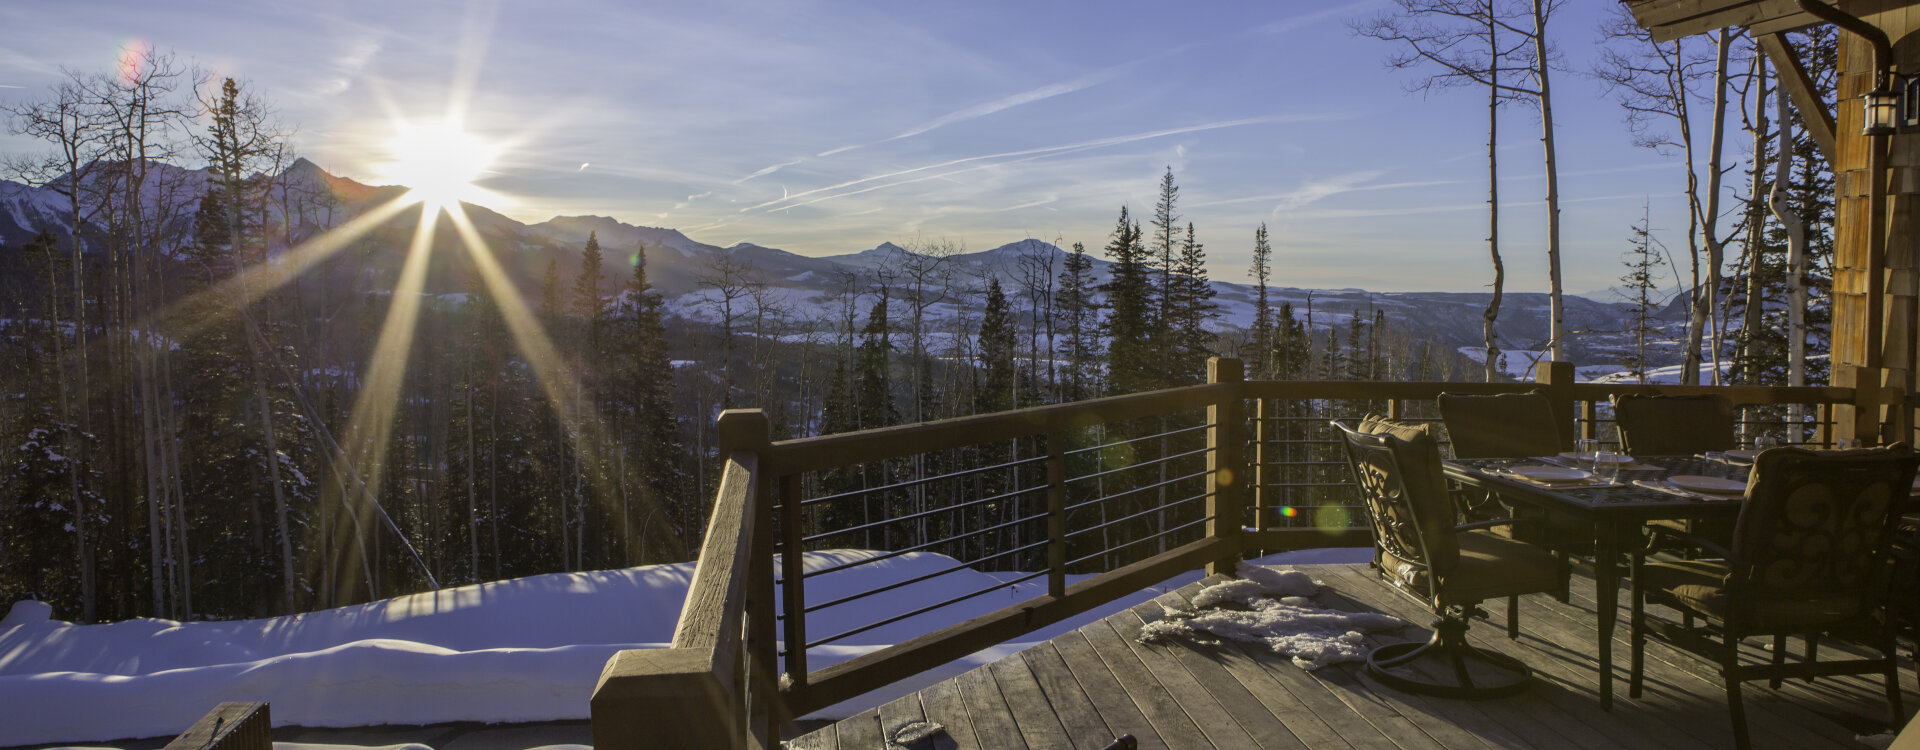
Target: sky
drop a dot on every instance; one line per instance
(830, 127)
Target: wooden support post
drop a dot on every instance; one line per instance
(1860, 419)
(793, 589)
(1226, 463)
(1556, 380)
(229, 726)
(663, 698)
(1057, 513)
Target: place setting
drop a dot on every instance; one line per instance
(1697, 487)
(1586, 468)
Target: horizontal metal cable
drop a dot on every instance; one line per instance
(1141, 540)
(924, 545)
(936, 574)
(922, 480)
(912, 516)
(1155, 509)
(924, 610)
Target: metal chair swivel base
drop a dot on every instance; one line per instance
(1422, 667)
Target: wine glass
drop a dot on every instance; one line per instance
(1588, 451)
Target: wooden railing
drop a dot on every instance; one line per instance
(739, 663)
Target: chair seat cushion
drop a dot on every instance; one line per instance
(1701, 585)
(1493, 566)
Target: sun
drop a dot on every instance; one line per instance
(440, 161)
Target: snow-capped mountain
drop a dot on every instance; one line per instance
(685, 270)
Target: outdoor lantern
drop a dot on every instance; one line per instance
(1883, 109)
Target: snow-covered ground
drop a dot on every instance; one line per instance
(527, 649)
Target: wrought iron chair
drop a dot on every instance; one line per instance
(1810, 557)
(1506, 425)
(1422, 553)
(1512, 425)
(1661, 425)
(1674, 425)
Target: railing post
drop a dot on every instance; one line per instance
(1057, 513)
(759, 705)
(1860, 419)
(1226, 462)
(1556, 381)
(793, 589)
(1264, 412)
(229, 726)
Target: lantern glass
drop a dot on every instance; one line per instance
(1882, 111)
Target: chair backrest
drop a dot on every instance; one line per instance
(1507, 425)
(1674, 425)
(1814, 534)
(1397, 469)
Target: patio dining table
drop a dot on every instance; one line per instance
(1615, 512)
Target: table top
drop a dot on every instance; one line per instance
(1625, 499)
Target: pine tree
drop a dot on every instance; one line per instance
(1079, 315)
(588, 301)
(873, 382)
(1132, 360)
(1166, 264)
(652, 433)
(997, 341)
(1643, 261)
(1192, 306)
(1263, 340)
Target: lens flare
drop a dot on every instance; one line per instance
(440, 161)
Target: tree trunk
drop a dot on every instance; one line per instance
(1796, 229)
(1558, 313)
(1493, 217)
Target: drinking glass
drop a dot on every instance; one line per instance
(1588, 449)
(1765, 441)
(1606, 466)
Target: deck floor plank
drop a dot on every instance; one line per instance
(942, 704)
(1030, 706)
(861, 730)
(992, 720)
(899, 712)
(1556, 698)
(1117, 708)
(1214, 720)
(1169, 719)
(1267, 730)
(1088, 686)
(1062, 692)
(1769, 713)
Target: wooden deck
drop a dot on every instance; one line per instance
(1083, 689)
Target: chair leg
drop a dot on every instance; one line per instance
(1636, 627)
(1890, 649)
(1513, 617)
(1730, 666)
(1780, 657)
(1813, 649)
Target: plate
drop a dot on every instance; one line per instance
(1613, 458)
(1708, 485)
(1549, 474)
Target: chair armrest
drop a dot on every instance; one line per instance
(1691, 540)
(1487, 524)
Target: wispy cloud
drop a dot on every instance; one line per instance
(1314, 191)
(987, 108)
(767, 170)
(834, 191)
(1285, 25)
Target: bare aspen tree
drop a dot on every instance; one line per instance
(1463, 39)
